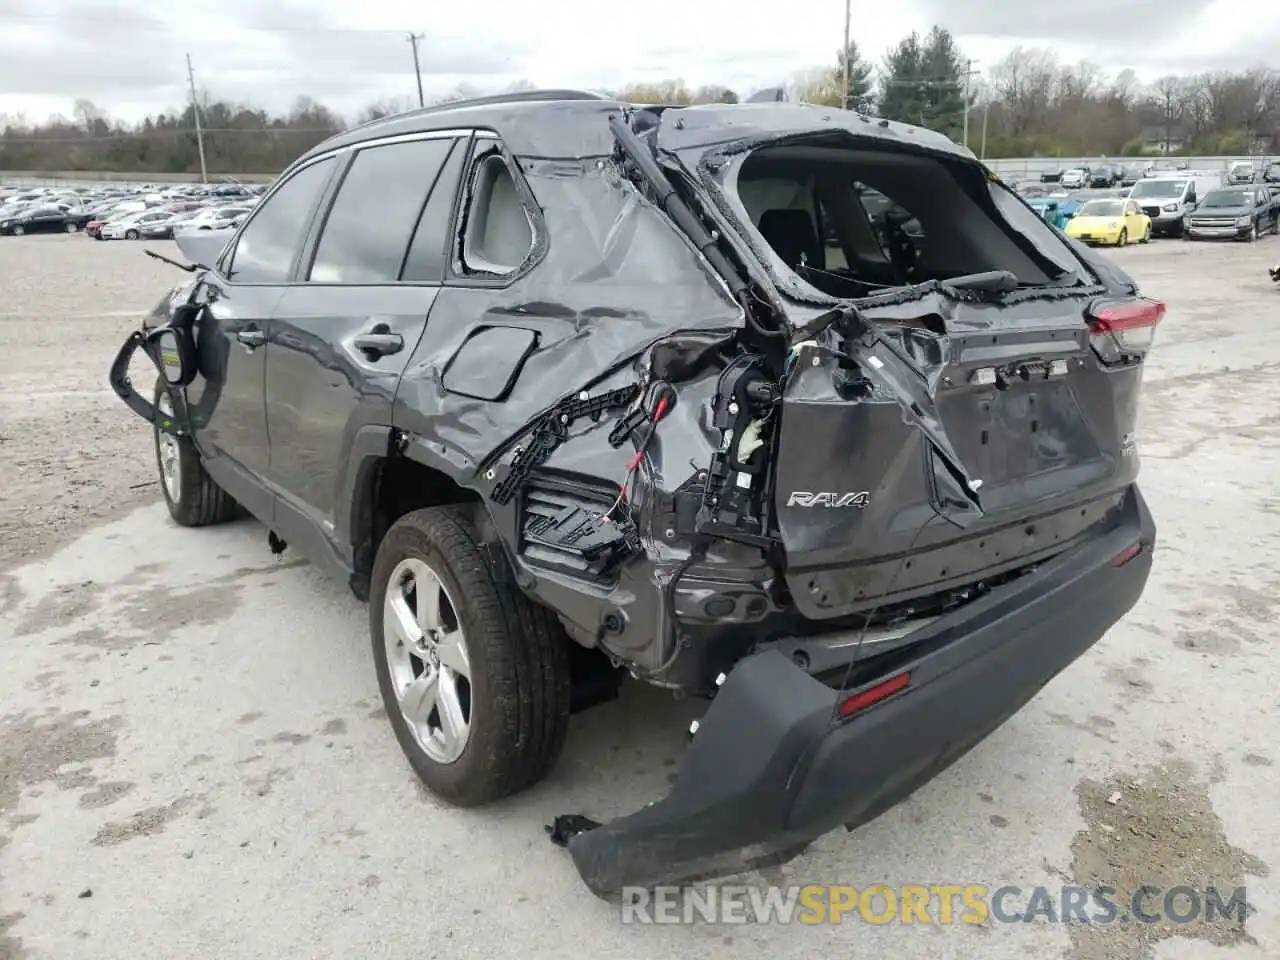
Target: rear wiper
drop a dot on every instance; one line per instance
(997, 281)
(189, 267)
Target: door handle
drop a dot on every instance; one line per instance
(379, 344)
(251, 338)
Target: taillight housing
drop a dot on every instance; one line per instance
(1122, 331)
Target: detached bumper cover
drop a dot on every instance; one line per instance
(766, 772)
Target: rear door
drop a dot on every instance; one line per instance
(344, 331)
(250, 277)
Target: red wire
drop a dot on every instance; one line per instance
(659, 411)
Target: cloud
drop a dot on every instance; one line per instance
(1130, 21)
(129, 56)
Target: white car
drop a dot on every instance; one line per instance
(214, 218)
(129, 227)
(1075, 178)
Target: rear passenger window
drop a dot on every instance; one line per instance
(498, 236)
(431, 243)
(265, 249)
(376, 210)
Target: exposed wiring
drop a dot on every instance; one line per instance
(660, 410)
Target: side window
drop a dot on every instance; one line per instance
(377, 207)
(499, 234)
(264, 251)
(429, 251)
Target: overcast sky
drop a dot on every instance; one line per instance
(128, 56)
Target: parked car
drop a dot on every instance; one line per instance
(42, 218)
(1239, 213)
(551, 456)
(1051, 176)
(1168, 198)
(1105, 175)
(163, 229)
(214, 218)
(1032, 190)
(1075, 178)
(1110, 222)
(100, 217)
(1050, 211)
(1242, 171)
(1129, 175)
(130, 226)
(1270, 173)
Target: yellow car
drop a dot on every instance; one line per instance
(1111, 222)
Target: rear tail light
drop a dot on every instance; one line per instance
(1124, 330)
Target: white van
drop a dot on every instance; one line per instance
(1166, 198)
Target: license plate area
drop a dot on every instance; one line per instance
(1025, 430)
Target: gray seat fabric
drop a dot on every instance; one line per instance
(499, 235)
(793, 237)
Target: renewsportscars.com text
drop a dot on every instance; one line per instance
(939, 904)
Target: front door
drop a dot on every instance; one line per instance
(244, 288)
(342, 334)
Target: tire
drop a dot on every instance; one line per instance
(1146, 235)
(516, 653)
(1253, 233)
(72, 227)
(1123, 239)
(19, 230)
(131, 234)
(192, 496)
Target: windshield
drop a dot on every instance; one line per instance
(1159, 188)
(1226, 198)
(1101, 208)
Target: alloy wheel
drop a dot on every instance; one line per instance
(427, 659)
(169, 454)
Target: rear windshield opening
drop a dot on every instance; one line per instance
(854, 222)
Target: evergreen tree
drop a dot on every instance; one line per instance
(860, 97)
(923, 82)
(900, 81)
(943, 67)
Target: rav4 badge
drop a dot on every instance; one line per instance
(800, 498)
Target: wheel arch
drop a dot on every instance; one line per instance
(390, 474)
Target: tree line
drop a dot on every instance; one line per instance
(1027, 104)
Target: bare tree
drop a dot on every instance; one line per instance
(1166, 101)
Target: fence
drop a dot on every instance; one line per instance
(1013, 168)
(68, 178)
(1031, 167)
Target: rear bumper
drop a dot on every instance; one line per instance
(767, 773)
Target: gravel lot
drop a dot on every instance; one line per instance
(193, 760)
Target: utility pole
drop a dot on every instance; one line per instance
(844, 100)
(195, 112)
(969, 72)
(417, 69)
(986, 110)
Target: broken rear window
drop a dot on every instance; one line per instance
(852, 222)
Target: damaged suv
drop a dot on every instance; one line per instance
(792, 409)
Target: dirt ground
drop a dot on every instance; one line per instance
(194, 762)
(71, 455)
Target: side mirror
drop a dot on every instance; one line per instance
(173, 350)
